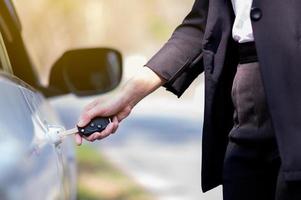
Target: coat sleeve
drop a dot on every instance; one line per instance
(180, 60)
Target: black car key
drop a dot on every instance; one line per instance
(97, 124)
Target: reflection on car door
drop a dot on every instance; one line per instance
(45, 117)
(29, 169)
(30, 166)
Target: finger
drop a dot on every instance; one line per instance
(115, 119)
(93, 136)
(98, 136)
(115, 123)
(90, 105)
(106, 109)
(104, 133)
(108, 130)
(98, 110)
(84, 119)
(78, 139)
(88, 138)
(123, 114)
(115, 129)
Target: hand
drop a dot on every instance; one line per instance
(120, 105)
(115, 106)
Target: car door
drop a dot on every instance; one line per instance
(31, 166)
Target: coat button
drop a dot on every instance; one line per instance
(255, 13)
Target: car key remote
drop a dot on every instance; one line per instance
(97, 124)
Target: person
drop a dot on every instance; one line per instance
(250, 54)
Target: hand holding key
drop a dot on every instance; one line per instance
(104, 108)
(119, 105)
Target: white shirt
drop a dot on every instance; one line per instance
(242, 28)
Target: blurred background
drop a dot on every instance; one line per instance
(156, 151)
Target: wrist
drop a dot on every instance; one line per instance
(144, 82)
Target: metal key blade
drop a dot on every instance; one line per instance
(70, 131)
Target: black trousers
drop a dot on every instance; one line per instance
(252, 166)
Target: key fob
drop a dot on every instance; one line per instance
(97, 124)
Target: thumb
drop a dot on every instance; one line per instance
(88, 115)
(105, 109)
(84, 119)
(78, 139)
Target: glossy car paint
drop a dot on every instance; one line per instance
(31, 166)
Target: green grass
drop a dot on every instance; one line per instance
(98, 179)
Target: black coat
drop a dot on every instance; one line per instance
(203, 42)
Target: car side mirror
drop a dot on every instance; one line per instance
(86, 72)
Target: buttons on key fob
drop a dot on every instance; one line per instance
(97, 124)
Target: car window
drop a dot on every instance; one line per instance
(4, 59)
